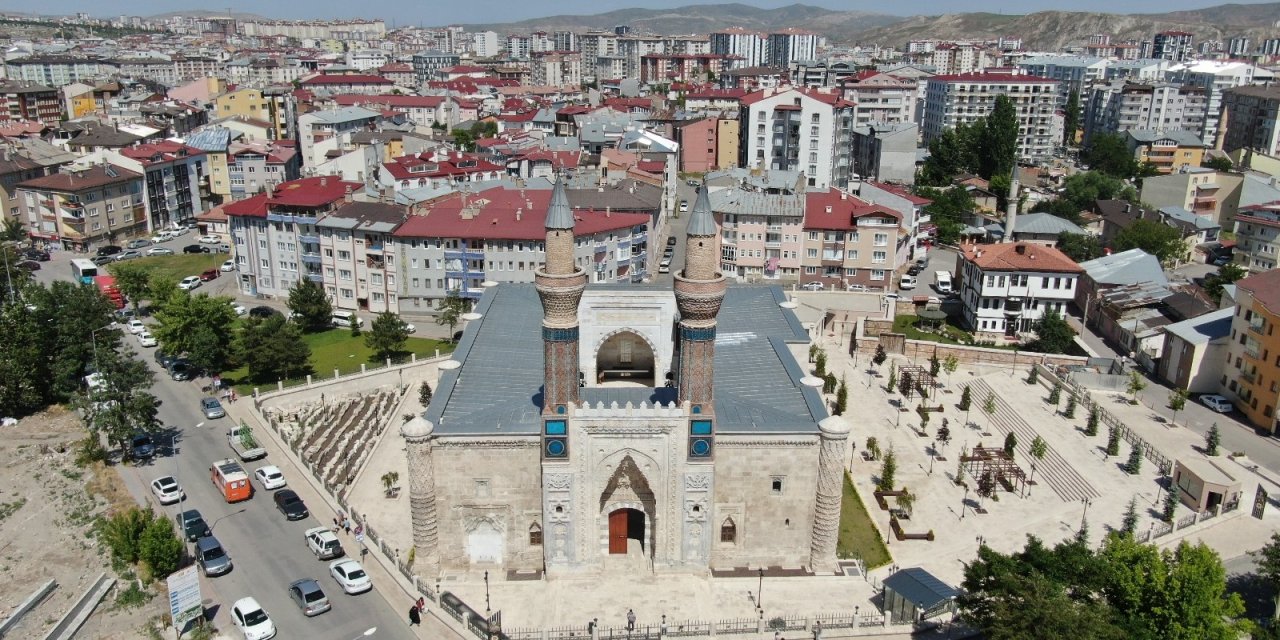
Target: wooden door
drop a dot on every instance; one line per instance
(618, 532)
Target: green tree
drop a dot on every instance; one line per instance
(998, 149)
(1158, 239)
(1134, 464)
(893, 378)
(820, 363)
(1055, 394)
(24, 370)
(12, 230)
(950, 153)
(1177, 401)
(1227, 274)
(1053, 334)
(161, 287)
(1038, 449)
(1170, 507)
(71, 322)
(1109, 154)
(310, 304)
(888, 469)
(387, 335)
(906, 501)
(1071, 119)
(1136, 385)
(842, 398)
(134, 281)
(1267, 561)
(1070, 411)
(424, 393)
(200, 326)
(122, 533)
(272, 349)
(935, 365)
(1091, 426)
(1079, 246)
(1010, 444)
(989, 407)
(948, 209)
(949, 365)
(160, 548)
(965, 399)
(1130, 522)
(355, 326)
(987, 485)
(451, 311)
(1218, 163)
(1113, 441)
(873, 448)
(1212, 440)
(880, 356)
(121, 403)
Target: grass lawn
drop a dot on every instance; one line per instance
(181, 265)
(337, 349)
(858, 536)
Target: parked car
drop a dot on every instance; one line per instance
(1217, 403)
(136, 327)
(193, 525)
(101, 260)
(306, 593)
(162, 236)
(239, 308)
(190, 282)
(212, 409)
(128, 255)
(211, 557)
(109, 250)
(228, 266)
(141, 446)
(262, 311)
(907, 282)
(164, 359)
(684, 206)
(28, 265)
(812, 286)
(146, 339)
(182, 370)
(167, 490)
(36, 254)
(270, 477)
(138, 244)
(252, 620)
(288, 502)
(914, 270)
(195, 248)
(209, 274)
(1221, 260)
(323, 542)
(209, 240)
(671, 242)
(350, 576)
(159, 251)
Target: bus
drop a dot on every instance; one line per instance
(231, 480)
(84, 270)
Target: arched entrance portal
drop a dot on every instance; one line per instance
(625, 356)
(625, 526)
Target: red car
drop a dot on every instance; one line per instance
(209, 274)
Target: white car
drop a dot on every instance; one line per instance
(350, 576)
(188, 283)
(146, 339)
(167, 490)
(209, 240)
(162, 237)
(907, 282)
(136, 327)
(252, 619)
(1217, 403)
(239, 308)
(159, 251)
(812, 286)
(408, 326)
(229, 265)
(270, 477)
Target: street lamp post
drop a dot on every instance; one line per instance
(486, 595)
(965, 502)
(93, 337)
(1085, 512)
(933, 452)
(760, 591)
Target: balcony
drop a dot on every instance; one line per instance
(602, 248)
(315, 277)
(76, 216)
(464, 255)
(1257, 328)
(311, 258)
(467, 273)
(374, 246)
(1013, 307)
(308, 239)
(1248, 377)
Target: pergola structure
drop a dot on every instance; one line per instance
(920, 376)
(996, 461)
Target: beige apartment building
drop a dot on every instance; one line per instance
(83, 207)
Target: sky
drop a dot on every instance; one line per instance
(442, 12)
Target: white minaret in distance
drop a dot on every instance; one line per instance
(1011, 208)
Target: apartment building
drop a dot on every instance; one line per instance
(789, 45)
(957, 58)
(1120, 106)
(955, 99)
(1210, 194)
(881, 98)
(1167, 151)
(1073, 73)
(557, 69)
(1007, 288)
(54, 71)
(275, 234)
(177, 182)
(459, 242)
(367, 84)
(792, 129)
(275, 106)
(917, 225)
(762, 226)
(15, 168)
(357, 260)
(82, 207)
(426, 63)
(438, 170)
(682, 67)
(747, 48)
(885, 152)
(1252, 372)
(31, 101)
(321, 126)
(1215, 78)
(254, 167)
(849, 243)
(1173, 45)
(1257, 229)
(1249, 119)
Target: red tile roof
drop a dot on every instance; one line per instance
(255, 207)
(1019, 256)
(491, 214)
(75, 181)
(310, 192)
(160, 152)
(899, 191)
(832, 98)
(844, 211)
(400, 168)
(325, 79)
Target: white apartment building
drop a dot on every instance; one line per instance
(882, 98)
(1258, 237)
(791, 45)
(319, 126)
(485, 44)
(1073, 73)
(792, 129)
(751, 46)
(1251, 122)
(356, 256)
(1007, 288)
(556, 69)
(1215, 78)
(951, 58)
(954, 99)
(1122, 106)
(367, 59)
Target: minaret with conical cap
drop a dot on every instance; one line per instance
(559, 284)
(699, 289)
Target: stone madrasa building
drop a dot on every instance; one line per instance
(636, 428)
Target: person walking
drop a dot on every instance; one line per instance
(631, 620)
(422, 604)
(415, 618)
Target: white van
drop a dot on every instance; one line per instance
(942, 281)
(342, 319)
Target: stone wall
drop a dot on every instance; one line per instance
(293, 398)
(485, 483)
(773, 528)
(922, 350)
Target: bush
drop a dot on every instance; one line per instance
(160, 548)
(1034, 375)
(424, 394)
(880, 356)
(1091, 428)
(90, 450)
(965, 399)
(1055, 394)
(1070, 411)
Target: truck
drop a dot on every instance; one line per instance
(942, 281)
(107, 285)
(244, 444)
(231, 480)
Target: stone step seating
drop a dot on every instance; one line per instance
(357, 443)
(1053, 470)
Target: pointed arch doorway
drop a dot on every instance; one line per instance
(625, 525)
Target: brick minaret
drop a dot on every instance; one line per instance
(699, 291)
(560, 284)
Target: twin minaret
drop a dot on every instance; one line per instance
(699, 290)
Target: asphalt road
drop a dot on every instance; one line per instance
(675, 228)
(268, 552)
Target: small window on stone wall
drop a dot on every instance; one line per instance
(728, 531)
(776, 484)
(535, 534)
(482, 488)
